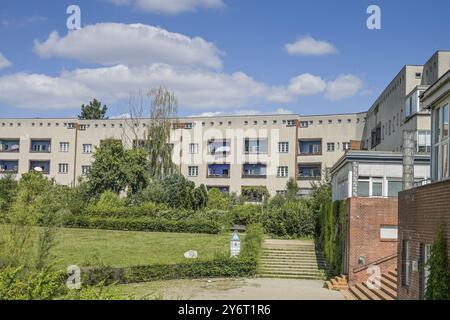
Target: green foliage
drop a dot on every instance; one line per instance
(291, 219)
(181, 193)
(143, 224)
(438, 286)
(292, 189)
(108, 201)
(93, 111)
(332, 233)
(252, 243)
(218, 200)
(8, 190)
(255, 194)
(117, 169)
(246, 214)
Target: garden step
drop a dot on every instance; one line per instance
(294, 273)
(286, 270)
(368, 293)
(379, 292)
(294, 260)
(388, 283)
(294, 265)
(359, 295)
(310, 256)
(298, 277)
(390, 277)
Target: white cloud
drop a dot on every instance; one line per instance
(171, 7)
(244, 112)
(129, 44)
(343, 87)
(303, 85)
(4, 63)
(307, 46)
(193, 87)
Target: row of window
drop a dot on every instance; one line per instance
(289, 123)
(39, 146)
(306, 171)
(12, 166)
(379, 187)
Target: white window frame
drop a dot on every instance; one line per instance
(85, 169)
(193, 171)
(283, 147)
(194, 148)
(63, 168)
(87, 148)
(331, 147)
(283, 172)
(439, 143)
(64, 147)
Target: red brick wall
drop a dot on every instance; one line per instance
(421, 212)
(366, 216)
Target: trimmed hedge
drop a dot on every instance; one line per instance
(219, 267)
(143, 224)
(245, 265)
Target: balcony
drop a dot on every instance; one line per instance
(41, 146)
(255, 146)
(219, 171)
(40, 166)
(219, 147)
(310, 147)
(12, 145)
(254, 171)
(9, 166)
(310, 172)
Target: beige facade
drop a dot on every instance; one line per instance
(225, 152)
(398, 108)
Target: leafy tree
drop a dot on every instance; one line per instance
(93, 111)
(292, 188)
(117, 169)
(255, 194)
(438, 285)
(163, 111)
(8, 191)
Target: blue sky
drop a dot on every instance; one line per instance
(218, 56)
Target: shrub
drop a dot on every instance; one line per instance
(438, 285)
(246, 214)
(143, 224)
(255, 194)
(8, 192)
(292, 219)
(218, 200)
(108, 201)
(251, 245)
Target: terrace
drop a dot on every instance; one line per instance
(9, 166)
(10, 145)
(255, 171)
(218, 171)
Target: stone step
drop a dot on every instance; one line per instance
(379, 293)
(299, 277)
(297, 256)
(293, 265)
(390, 277)
(388, 283)
(294, 272)
(312, 249)
(389, 291)
(359, 295)
(293, 260)
(370, 294)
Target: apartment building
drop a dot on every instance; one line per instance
(228, 153)
(424, 209)
(399, 108)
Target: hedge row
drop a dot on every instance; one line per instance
(142, 224)
(219, 267)
(245, 265)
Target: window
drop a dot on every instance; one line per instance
(345, 146)
(9, 166)
(283, 147)
(63, 168)
(424, 141)
(63, 147)
(85, 170)
(219, 147)
(310, 147)
(388, 232)
(364, 187)
(310, 171)
(330, 147)
(218, 171)
(282, 172)
(394, 187)
(377, 188)
(87, 148)
(193, 148)
(304, 124)
(193, 171)
(405, 263)
(41, 146)
(255, 170)
(255, 146)
(41, 166)
(441, 146)
(10, 145)
(291, 123)
(376, 136)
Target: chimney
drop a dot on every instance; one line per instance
(408, 159)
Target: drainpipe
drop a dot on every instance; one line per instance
(408, 159)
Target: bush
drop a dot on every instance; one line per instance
(292, 219)
(251, 245)
(255, 194)
(8, 192)
(438, 285)
(218, 200)
(246, 214)
(143, 224)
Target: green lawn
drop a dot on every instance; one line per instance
(123, 248)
